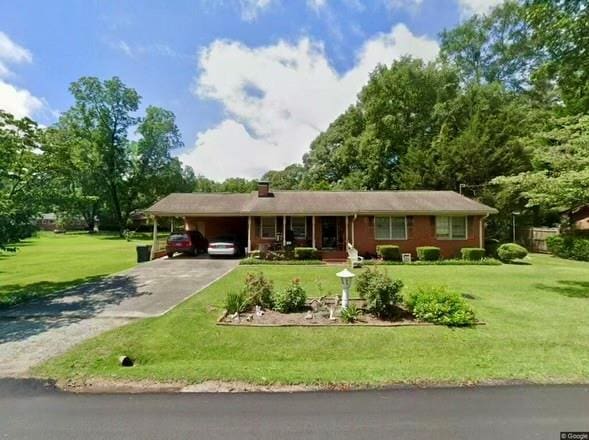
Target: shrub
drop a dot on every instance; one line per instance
(380, 291)
(350, 314)
(440, 306)
(236, 302)
(508, 252)
(291, 299)
(569, 246)
(259, 290)
(388, 252)
(428, 253)
(472, 254)
(306, 253)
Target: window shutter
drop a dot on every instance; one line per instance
(409, 220)
(471, 226)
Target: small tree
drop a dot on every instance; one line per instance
(381, 292)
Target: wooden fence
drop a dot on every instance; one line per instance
(534, 239)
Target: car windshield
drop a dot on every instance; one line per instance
(178, 237)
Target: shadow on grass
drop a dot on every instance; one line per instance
(60, 304)
(572, 289)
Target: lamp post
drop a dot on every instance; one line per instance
(345, 277)
(513, 215)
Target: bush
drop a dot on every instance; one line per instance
(472, 254)
(259, 290)
(236, 302)
(291, 299)
(440, 306)
(306, 253)
(388, 252)
(380, 291)
(350, 314)
(569, 246)
(428, 253)
(508, 252)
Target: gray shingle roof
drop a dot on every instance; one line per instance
(319, 203)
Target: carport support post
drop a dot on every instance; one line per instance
(283, 231)
(313, 231)
(249, 235)
(155, 243)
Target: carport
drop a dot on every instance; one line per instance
(213, 215)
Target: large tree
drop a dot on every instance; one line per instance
(100, 119)
(23, 181)
(560, 157)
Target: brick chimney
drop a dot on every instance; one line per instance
(264, 189)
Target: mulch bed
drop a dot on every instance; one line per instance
(317, 317)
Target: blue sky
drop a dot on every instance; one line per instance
(251, 82)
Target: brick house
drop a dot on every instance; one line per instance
(327, 220)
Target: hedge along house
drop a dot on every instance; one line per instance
(328, 220)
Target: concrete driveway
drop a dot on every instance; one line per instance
(36, 331)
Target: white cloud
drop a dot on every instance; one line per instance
(470, 7)
(279, 97)
(316, 5)
(251, 8)
(398, 4)
(18, 101)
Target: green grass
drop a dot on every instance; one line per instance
(537, 330)
(48, 263)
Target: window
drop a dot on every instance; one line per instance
(390, 228)
(299, 227)
(451, 228)
(268, 227)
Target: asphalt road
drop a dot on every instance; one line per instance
(28, 410)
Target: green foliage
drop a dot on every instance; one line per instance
(388, 252)
(236, 302)
(381, 292)
(291, 299)
(306, 253)
(350, 314)
(23, 179)
(259, 290)
(472, 254)
(261, 262)
(428, 253)
(508, 252)
(560, 176)
(569, 246)
(439, 305)
(446, 262)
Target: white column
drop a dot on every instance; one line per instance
(249, 234)
(283, 230)
(313, 231)
(155, 241)
(353, 227)
(346, 232)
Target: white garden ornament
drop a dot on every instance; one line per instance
(345, 277)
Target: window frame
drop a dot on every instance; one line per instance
(390, 233)
(295, 236)
(451, 227)
(273, 237)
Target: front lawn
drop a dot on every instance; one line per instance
(50, 262)
(537, 330)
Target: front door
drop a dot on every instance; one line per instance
(329, 232)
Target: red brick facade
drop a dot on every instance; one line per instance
(421, 231)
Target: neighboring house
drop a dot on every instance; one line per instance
(328, 220)
(579, 217)
(47, 222)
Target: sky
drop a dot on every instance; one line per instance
(251, 82)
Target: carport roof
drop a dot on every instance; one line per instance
(318, 203)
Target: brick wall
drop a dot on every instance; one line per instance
(421, 231)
